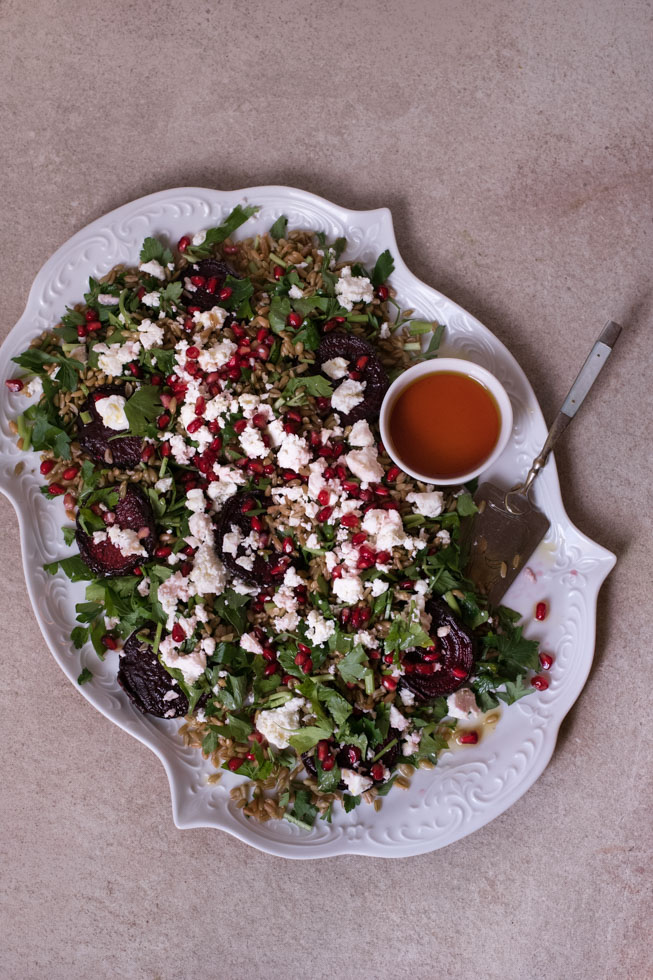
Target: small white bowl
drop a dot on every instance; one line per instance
(457, 366)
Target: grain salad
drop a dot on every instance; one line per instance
(263, 569)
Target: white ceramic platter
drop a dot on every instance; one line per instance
(469, 787)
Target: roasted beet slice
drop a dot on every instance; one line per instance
(454, 666)
(209, 269)
(233, 514)
(364, 361)
(146, 682)
(95, 438)
(133, 512)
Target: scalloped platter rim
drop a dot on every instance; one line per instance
(469, 787)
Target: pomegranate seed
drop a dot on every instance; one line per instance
(323, 404)
(198, 280)
(259, 420)
(539, 683)
(377, 772)
(94, 326)
(288, 475)
(389, 683)
(407, 584)
(277, 272)
(193, 353)
(178, 633)
(425, 668)
(163, 551)
(345, 614)
(82, 330)
(328, 763)
(350, 487)
(287, 545)
(193, 426)
(459, 673)
(324, 514)
(247, 504)
(268, 469)
(361, 363)
(163, 420)
(188, 550)
(351, 520)
(185, 568)
(359, 538)
(546, 660)
(183, 243)
(392, 474)
(322, 750)
(382, 292)
(225, 292)
(240, 425)
(109, 642)
(353, 755)
(287, 680)
(254, 466)
(294, 320)
(308, 666)
(235, 764)
(323, 497)
(189, 324)
(336, 572)
(14, 384)
(381, 491)
(90, 315)
(278, 570)
(470, 738)
(365, 495)
(290, 426)
(431, 658)
(389, 657)
(56, 490)
(135, 369)
(46, 466)
(300, 659)
(200, 406)
(269, 654)
(256, 523)
(270, 669)
(141, 292)
(304, 649)
(165, 449)
(70, 473)
(250, 756)
(355, 375)
(541, 611)
(230, 249)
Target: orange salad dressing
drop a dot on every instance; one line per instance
(444, 425)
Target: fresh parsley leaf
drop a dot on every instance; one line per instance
(142, 409)
(327, 782)
(514, 651)
(279, 228)
(338, 707)
(171, 294)
(383, 268)
(280, 308)
(315, 385)
(79, 636)
(231, 606)
(350, 667)
(215, 236)
(514, 690)
(350, 802)
(465, 505)
(68, 535)
(73, 567)
(85, 676)
(403, 635)
(159, 360)
(303, 812)
(154, 249)
(306, 738)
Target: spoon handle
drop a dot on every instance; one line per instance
(576, 396)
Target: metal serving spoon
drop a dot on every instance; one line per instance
(507, 527)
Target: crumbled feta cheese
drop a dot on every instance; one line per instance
(397, 720)
(407, 697)
(276, 432)
(125, 540)
(106, 299)
(217, 356)
(319, 629)
(336, 368)
(384, 332)
(293, 452)
(278, 724)
(214, 318)
(201, 527)
(295, 292)
(112, 412)
(181, 452)
(195, 501)
(143, 587)
(231, 540)
(192, 665)
(361, 434)
(355, 783)
(208, 573)
(462, 704)
(286, 623)
(411, 742)
(444, 537)
(170, 592)
(291, 579)
(379, 587)
(164, 484)
(428, 504)
(152, 299)
(149, 334)
(35, 387)
(348, 395)
(252, 443)
(386, 528)
(353, 289)
(111, 359)
(245, 562)
(249, 643)
(188, 285)
(348, 588)
(199, 238)
(153, 268)
(364, 464)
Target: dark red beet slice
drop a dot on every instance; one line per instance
(372, 372)
(146, 682)
(209, 269)
(133, 511)
(233, 513)
(456, 649)
(95, 438)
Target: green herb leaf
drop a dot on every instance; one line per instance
(73, 567)
(306, 738)
(154, 249)
(514, 690)
(280, 308)
(350, 802)
(279, 228)
(85, 676)
(403, 635)
(350, 667)
(315, 385)
(383, 268)
(465, 505)
(142, 409)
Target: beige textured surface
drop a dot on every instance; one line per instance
(512, 142)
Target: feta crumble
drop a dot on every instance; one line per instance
(348, 395)
(353, 289)
(112, 412)
(279, 724)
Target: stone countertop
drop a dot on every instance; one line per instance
(513, 144)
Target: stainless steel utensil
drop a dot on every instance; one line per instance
(507, 528)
